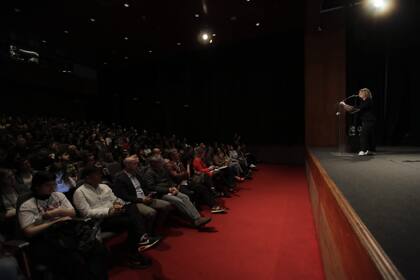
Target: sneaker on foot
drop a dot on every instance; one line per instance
(149, 242)
(217, 209)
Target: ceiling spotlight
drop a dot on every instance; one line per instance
(92, 20)
(126, 38)
(380, 6)
(126, 5)
(150, 51)
(125, 57)
(214, 34)
(66, 31)
(197, 15)
(17, 10)
(257, 24)
(44, 41)
(205, 36)
(248, 0)
(64, 71)
(211, 41)
(105, 63)
(178, 44)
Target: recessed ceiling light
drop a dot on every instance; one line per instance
(105, 63)
(126, 38)
(197, 15)
(257, 24)
(126, 57)
(17, 10)
(214, 34)
(248, 0)
(126, 5)
(211, 41)
(44, 41)
(205, 36)
(66, 31)
(92, 20)
(233, 18)
(178, 44)
(150, 51)
(64, 71)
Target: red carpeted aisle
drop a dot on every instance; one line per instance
(268, 234)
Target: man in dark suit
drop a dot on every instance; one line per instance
(129, 187)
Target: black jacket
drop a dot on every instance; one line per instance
(158, 181)
(124, 188)
(366, 112)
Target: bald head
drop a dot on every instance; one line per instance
(131, 163)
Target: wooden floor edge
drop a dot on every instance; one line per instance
(383, 263)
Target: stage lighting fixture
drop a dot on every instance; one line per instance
(205, 37)
(257, 24)
(380, 6)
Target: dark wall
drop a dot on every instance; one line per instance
(325, 75)
(254, 88)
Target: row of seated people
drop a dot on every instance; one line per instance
(136, 193)
(136, 199)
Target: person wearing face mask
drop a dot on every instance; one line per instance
(366, 113)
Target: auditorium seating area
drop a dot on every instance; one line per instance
(65, 148)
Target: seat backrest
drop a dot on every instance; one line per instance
(21, 199)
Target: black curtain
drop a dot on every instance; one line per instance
(383, 56)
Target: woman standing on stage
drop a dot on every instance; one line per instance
(366, 113)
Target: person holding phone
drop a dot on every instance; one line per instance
(128, 186)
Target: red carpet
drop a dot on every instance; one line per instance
(268, 234)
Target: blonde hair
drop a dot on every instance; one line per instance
(367, 92)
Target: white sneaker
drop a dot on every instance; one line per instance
(361, 153)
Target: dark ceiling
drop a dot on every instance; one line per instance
(117, 31)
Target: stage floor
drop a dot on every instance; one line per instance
(384, 190)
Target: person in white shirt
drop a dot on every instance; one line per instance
(41, 216)
(96, 200)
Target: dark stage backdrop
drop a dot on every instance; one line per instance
(253, 88)
(383, 55)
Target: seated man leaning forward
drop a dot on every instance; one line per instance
(96, 200)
